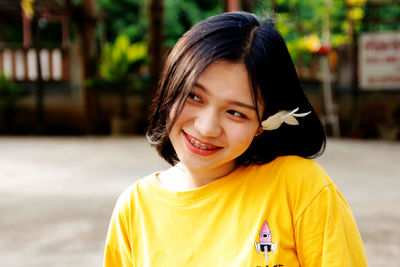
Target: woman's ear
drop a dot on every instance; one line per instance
(260, 130)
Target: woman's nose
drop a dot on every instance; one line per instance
(207, 123)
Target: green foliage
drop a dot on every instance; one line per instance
(9, 93)
(120, 62)
(381, 18)
(77, 2)
(298, 19)
(181, 15)
(117, 59)
(11, 31)
(130, 17)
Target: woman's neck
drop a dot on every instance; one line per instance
(181, 178)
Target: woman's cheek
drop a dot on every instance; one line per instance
(182, 114)
(242, 133)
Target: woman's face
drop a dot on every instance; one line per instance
(218, 121)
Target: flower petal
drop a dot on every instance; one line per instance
(291, 120)
(289, 113)
(302, 114)
(284, 116)
(273, 122)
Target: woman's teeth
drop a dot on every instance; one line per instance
(200, 145)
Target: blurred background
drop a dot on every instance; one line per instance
(75, 67)
(77, 77)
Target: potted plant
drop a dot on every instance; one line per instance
(119, 67)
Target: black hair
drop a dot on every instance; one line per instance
(238, 37)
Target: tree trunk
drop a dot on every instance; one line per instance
(84, 18)
(39, 81)
(156, 42)
(156, 50)
(232, 5)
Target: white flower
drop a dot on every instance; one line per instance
(284, 116)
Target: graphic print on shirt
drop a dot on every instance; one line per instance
(265, 245)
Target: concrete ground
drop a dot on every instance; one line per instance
(57, 195)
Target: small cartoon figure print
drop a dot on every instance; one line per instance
(265, 244)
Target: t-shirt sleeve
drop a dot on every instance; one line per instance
(118, 251)
(326, 233)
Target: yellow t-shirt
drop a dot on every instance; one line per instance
(284, 213)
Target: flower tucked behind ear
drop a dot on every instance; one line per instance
(284, 116)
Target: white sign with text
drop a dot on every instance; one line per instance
(379, 60)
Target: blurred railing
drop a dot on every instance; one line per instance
(19, 64)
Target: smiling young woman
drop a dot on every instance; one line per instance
(231, 118)
(217, 124)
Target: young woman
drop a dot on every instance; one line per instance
(231, 118)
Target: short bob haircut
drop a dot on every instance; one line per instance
(238, 37)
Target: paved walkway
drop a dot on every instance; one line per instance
(57, 195)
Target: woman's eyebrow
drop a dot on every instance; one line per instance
(234, 102)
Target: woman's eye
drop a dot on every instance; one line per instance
(236, 114)
(194, 97)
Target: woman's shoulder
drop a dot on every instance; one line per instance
(297, 180)
(296, 166)
(296, 161)
(135, 190)
(295, 172)
(290, 163)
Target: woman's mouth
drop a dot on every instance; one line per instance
(200, 145)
